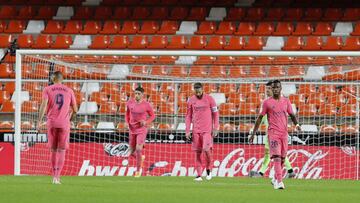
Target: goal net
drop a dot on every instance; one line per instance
(323, 88)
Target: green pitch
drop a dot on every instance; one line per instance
(172, 190)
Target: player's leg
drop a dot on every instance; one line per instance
(140, 142)
(132, 145)
(275, 152)
(63, 135)
(207, 148)
(52, 144)
(266, 162)
(197, 148)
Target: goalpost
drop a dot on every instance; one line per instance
(323, 87)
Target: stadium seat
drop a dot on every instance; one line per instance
(83, 13)
(297, 99)
(328, 90)
(228, 109)
(4, 96)
(306, 89)
(166, 108)
(140, 69)
(165, 127)
(62, 42)
(275, 14)
(247, 109)
(158, 42)
(247, 89)
(168, 27)
(307, 110)
(108, 108)
(119, 98)
(313, 43)
(139, 42)
(328, 129)
(337, 100)
(45, 13)
(332, 43)
(283, 29)
(91, 28)
(103, 13)
(206, 28)
(122, 126)
(255, 98)
(25, 41)
(109, 88)
(332, 14)
(227, 88)
(26, 13)
(235, 43)
(348, 110)
(351, 14)
(122, 13)
(216, 43)
(130, 27)
(323, 28)
(303, 29)
(276, 71)
(235, 14)
(8, 12)
(197, 13)
(6, 126)
(312, 14)
(81, 42)
(178, 13)
(196, 42)
(53, 27)
(254, 14)
(334, 73)
(7, 107)
(217, 72)
(76, 87)
(205, 60)
(237, 72)
(6, 71)
(100, 42)
(274, 43)
(85, 126)
(34, 27)
(30, 107)
(140, 13)
(15, 26)
(347, 129)
(217, 14)
(159, 13)
(256, 72)
(342, 29)
(198, 71)
(254, 43)
(316, 98)
(105, 127)
(177, 42)
(264, 29)
(245, 127)
(88, 108)
(149, 27)
(179, 71)
(352, 43)
(293, 14)
(226, 28)
(293, 43)
(119, 42)
(72, 27)
(64, 13)
(245, 28)
(43, 42)
(159, 70)
(110, 28)
(100, 97)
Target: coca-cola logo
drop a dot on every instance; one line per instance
(351, 151)
(119, 150)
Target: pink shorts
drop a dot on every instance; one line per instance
(202, 141)
(135, 139)
(278, 144)
(58, 138)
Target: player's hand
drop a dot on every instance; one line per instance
(215, 133)
(142, 123)
(188, 136)
(298, 128)
(251, 136)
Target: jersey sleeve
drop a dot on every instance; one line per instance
(289, 107)
(215, 113)
(188, 117)
(150, 111)
(264, 108)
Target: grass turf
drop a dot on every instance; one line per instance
(173, 189)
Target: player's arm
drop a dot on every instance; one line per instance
(293, 116)
(258, 122)
(127, 115)
(74, 105)
(215, 117)
(42, 112)
(188, 119)
(151, 114)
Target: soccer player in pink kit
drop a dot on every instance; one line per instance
(277, 108)
(139, 114)
(60, 105)
(202, 112)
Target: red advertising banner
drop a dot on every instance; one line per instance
(6, 158)
(96, 159)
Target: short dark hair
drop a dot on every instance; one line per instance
(197, 85)
(57, 75)
(276, 81)
(268, 84)
(140, 89)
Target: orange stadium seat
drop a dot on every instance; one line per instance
(166, 108)
(297, 99)
(209, 88)
(218, 72)
(303, 28)
(306, 89)
(198, 71)
(293, 14)
(333, 14)
(119, 98)
(254, 14)
(264, 28)
(196, 42)
(108, 108)
(168, 27)
(347, 129)
(316, 98)
(356, 31)
(7, 107)
(328, 90)
(53, 27)
(72, 27)
(99, 97)
(6, 70)
(348, 110)
(263, 60)
(140, 13)
(237, 72)
(86, 126)
(312, 14)
(245, 28)
(205, 60)
(351, 14)
(91, 28)
(323, 28)
(227, 127)
(158, 42)
(178, 13)
(26, 13)
(352, 43)
(256, 72)
(328, 129)
(254, 43)
(197, 13)
(178, 42)
(46, 12)
(283, 29)
(139, 42)
(159, 70)
(179, 71)
(165, 126)
(122, 126)
(130, 27)
(110, 28)
(337, 100)
(235, 43)
(4, 96)
(228, 109)
(247, 89)
(227, 88)
(307, 110)
(235, 13)
(216, 43)
(159, 13)
(62, 42)
(248, 109)
(15, 26)
(149, 27)
(30, 106)
(274, 14)
(206, 28)
(276, 71)
(245, 127)
(255, 98)
(25, 41)
(2, 25)
(122, 13)
(43, 42)
(313, 43)
(119, 42)
(293, 43)
(226, 28)
(103, 13)
(83, 13)
(8, 12)
(332, 43)
(6, 126)
(110, 88)
(100, 42)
